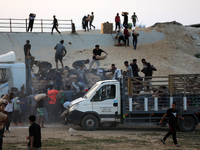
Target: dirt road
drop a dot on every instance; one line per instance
(58, 137)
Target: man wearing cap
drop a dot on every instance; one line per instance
(96, 51)
(59, 53)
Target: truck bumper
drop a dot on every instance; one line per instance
(74, 116)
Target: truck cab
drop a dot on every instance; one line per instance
(12, 74)
(101, 104)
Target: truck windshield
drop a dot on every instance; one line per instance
(3, 78)
(91, 91)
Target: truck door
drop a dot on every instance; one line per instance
(103, 103)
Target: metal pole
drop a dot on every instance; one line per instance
(185, 103)
(10, 25)
(41, 26)
(184, 87)
(130, 104)
(26, 24)
(156, 103)
(171, 101)
(145, 104)
(72, 25)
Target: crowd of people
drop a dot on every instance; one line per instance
(123, 33)
(122, 29)
(18, 105)
(87, 22)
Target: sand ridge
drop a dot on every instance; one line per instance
(172, 55)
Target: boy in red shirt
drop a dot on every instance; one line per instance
(52, 107)
(117, 21)
(126, 35)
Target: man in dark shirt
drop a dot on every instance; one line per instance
(68, 94)
(81, 93)
(144, 62)
(135, 74)
(135, 68)
(125, 23)
(148, 72)
(113, 69)
(34, 135)
(58, 81)
(55, 25)
(27, 48)
(96, 51)
(28, 62)
(31, 21)
(44, 67)
(76, 65)
(172, 113)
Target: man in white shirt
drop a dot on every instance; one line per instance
(129, 71)
(120, 37)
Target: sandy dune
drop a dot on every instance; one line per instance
(172, 54)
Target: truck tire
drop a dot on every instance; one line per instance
(89, 123)
(188, 124)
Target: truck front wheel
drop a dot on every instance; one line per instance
(188, 124)
(89, 123)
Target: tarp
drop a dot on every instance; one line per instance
(8, 57)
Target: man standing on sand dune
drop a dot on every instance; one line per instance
(59, 53)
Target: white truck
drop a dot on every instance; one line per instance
(12, 74)
(110, 102)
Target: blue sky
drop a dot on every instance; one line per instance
(149, 11)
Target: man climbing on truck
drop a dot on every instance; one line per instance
(172, 113)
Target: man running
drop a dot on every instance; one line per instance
(55, 25)
(172, 113)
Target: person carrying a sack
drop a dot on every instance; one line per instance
(96, 52)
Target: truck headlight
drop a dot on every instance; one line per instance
(74, 107)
